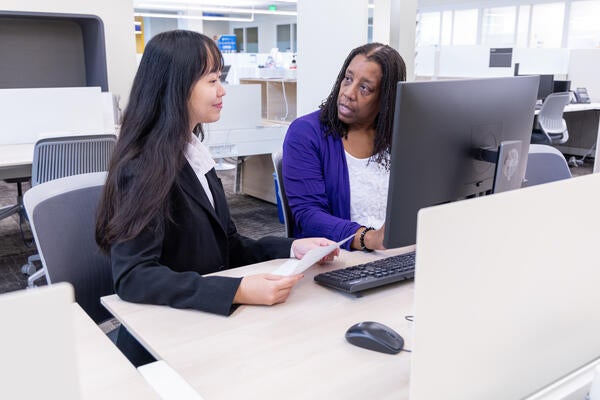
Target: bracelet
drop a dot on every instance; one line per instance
(362, 238)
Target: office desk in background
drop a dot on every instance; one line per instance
(15, 160)
(294, 350)
(583, 123)
(104, 373)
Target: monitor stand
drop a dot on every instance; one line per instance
(507, 159)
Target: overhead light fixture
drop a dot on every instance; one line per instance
(185, 16)
(225, 10)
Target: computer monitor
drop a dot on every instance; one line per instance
(443, 133)
(224, 73)
(561, 86)
(546, 86)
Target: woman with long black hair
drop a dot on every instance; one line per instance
(163, 216)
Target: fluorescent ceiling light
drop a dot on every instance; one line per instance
(184, 16)
(182, 7)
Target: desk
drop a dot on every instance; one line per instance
(294, 350)
(15, 160)
(278, 97)
(583, 123)
(104, 373)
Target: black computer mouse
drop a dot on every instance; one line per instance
(375, 336)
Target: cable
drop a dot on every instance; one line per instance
(284, 100)
(578, 162)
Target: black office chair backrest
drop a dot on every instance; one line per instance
(62, 213)
(287, 213)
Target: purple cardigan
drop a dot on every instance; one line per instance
(316, 182)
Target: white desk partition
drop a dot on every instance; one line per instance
(583, 71)
(26, 114)
(241, 108)
(240, 131)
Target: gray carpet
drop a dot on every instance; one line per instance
(253, 217)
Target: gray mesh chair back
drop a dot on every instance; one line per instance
(287, 213)
(58, 157)
(551, 126)
(62, 214)
(545, 164)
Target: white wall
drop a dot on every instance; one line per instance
(583, 71)
(327, 31)
(154, 26)
(117, 16)
(403, 17)
(216, 28)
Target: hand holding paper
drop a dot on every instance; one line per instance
(294, 266)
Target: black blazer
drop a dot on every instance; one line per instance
(165, 265)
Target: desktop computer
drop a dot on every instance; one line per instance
(561, 86)
(451, 140)
(547, 84)
(447, 136)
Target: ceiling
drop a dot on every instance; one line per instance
(215, 6)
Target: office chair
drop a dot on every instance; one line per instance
(62, 215)
(545, 164)
(287, 213)
(58, 157)
(550, 127)
(17, 208)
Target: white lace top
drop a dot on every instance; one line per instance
(368, 191)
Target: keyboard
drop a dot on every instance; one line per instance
(370, 275)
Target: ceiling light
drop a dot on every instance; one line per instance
(184, 16)
(181, 7)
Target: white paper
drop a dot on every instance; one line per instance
(294, 266)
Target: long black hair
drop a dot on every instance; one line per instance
(154, 133)
(393, 70)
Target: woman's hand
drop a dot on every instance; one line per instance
(373, 239)
(265, 289)
(302, 246)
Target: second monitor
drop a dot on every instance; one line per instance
(443, 135)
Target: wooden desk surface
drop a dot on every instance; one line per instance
(294, 350)
(104, 372)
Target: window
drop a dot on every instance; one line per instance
(239, 39)
(252, 40)
(286, 37)
(498, 26)
(465, 27)
(584, 29)
(523, 26)
(446, 27)
(547, 25)
(428, 31)
(246, 39)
